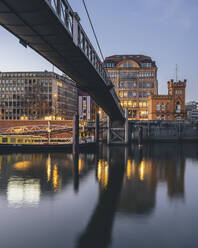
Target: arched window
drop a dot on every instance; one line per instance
(127, 65)
(157, 107)
(163, 107)
(178, 107)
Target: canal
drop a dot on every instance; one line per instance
(117, 197)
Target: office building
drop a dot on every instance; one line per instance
(37, 95)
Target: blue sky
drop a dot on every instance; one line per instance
(166, 30)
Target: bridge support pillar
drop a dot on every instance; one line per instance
(75, 145)
(108, 131)
(126, 134)
(97, 129)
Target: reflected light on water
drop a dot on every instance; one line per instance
(80, 164)
(23, 192)
(56, 179)
(142, 170)
(22, 165)
(103, 173)
(130, 170)
(48, 168)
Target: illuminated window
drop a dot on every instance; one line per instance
(129, 103)
(134, 104)
(125, 94)
(120, 93)
(158, 107)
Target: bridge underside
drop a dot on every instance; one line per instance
(35, 23)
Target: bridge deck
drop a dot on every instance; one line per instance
(52, 29)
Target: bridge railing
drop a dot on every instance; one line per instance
(71, 22)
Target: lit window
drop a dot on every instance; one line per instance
(130, 103)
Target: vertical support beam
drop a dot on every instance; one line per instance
(108, 131)
(126, 126)
(76, 20)
(58, 7)
(97, 129)
(75, 145)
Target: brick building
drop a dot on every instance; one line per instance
(171, 106)
(37, 95)
(135, 78)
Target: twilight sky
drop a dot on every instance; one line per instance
(166, 30)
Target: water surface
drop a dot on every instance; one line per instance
(118, 197)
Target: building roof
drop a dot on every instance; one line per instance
(137, 58)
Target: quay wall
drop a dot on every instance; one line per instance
(164, 130)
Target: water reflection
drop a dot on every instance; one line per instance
(22, 192)
(128, 180)
(25, 177)
(110, 172)
(124, 181)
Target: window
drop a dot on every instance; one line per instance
(142, 104)
(4, 140)
(157, 107)
(13, 140)
(145, 74)
(126, 75)
(112, 74)
(109, 65)
(143, 114)
(146, 65)
(143, 94)
(126, 65)
(127, 84)
(178, 107)
(131, 93)
(163, 107)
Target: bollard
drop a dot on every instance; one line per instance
(75, 145)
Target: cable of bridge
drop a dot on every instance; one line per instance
(93, 29)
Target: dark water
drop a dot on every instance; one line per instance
(117, 198)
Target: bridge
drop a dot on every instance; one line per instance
(53, 29)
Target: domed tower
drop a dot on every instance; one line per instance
(177, 91)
